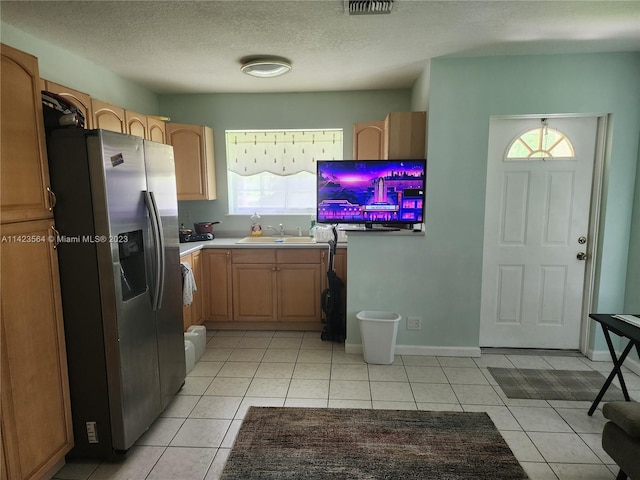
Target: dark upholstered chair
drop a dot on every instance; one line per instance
(621, 437)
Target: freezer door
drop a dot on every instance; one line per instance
(118, 175)
(161, 183)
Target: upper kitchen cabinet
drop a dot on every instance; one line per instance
(405, 134)
(108, 117)
(402, 135)
(79, 99)
(156, 130)
(368, 141)
(24, 174)
(136, 124)
(195, 168)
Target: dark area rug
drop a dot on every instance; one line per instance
(353, 444)
(553, 384)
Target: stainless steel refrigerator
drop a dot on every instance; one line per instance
(118, 253)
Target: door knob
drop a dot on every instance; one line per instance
(581, 256)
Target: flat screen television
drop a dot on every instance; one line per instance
(373, 193)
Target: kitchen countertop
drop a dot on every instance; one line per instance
(190, 247)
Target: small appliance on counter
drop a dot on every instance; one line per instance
(198, 237)
(204, 232)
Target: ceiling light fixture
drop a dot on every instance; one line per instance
(266, 67)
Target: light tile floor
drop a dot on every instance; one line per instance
(191, 440)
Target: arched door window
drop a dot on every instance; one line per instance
(541, 143)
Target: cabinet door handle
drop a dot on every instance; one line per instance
(55, 235)
(52, 199)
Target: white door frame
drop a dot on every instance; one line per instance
(594, 215)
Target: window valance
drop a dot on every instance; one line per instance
(281, 152)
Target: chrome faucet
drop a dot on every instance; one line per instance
(280, 229)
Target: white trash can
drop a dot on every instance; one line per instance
(378, 331)
(197, 334)
(189, 355)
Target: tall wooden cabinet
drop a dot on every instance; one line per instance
(36, 413)
(195, 167)
(402, 135)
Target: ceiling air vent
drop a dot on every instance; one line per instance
(369, 7)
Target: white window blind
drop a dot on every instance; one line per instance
(274, 171)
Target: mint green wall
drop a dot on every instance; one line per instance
(60, 66)
(439, 277)
(632, 297)
(271, 111)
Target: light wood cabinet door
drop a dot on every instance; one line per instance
(24, 174)
(108, 117)
(156, 130)
(299, 289)
(216, 284)
(136, 124)
(368, 141)
(340, 264)
(299, 274)
(195, 167)
(405, 134)
(79, 99)
(254, 292)
(36, 413)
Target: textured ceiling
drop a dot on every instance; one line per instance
(188, 46)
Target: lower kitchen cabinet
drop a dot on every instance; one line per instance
(36, 413)
(216, 284)
(277, 284)
(254, 288)
(298, 287)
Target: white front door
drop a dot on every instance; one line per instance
(536, 225)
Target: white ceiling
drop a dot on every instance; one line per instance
(196, 47)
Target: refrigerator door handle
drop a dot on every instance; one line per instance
(161, 247)
(155, 230)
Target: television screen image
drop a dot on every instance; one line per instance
(371, 191)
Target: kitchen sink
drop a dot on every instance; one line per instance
(268, 240)
(299, 240)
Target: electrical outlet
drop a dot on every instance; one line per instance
(92, 432)
(414, 323)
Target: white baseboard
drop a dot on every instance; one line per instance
(604, 356)
(430, 351)
(598, 355)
